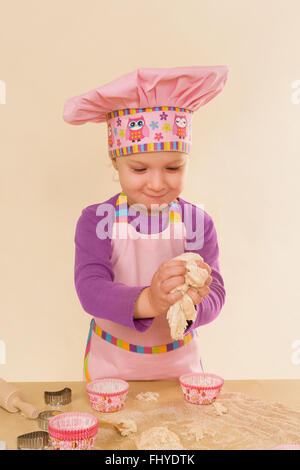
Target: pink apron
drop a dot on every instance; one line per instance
(114, 350)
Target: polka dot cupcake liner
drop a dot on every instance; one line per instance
(108, 394)
(73, 431)
(201, 389)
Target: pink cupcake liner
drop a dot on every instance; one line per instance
(73, 431)
(201, 389)
(108, 394)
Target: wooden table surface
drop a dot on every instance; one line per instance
(13, 424)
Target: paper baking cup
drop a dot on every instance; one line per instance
(201, 389)
(73, 431)
(107, 395)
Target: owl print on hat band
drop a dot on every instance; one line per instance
(149, 130)
(149, 109)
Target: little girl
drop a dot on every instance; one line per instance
(124, 266)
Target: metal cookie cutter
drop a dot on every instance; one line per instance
(62, 397)
(44, 417)
(38, 440)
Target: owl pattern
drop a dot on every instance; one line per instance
(136, 129)
(110, 136)
(179, 126)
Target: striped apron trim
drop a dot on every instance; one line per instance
(131, 347)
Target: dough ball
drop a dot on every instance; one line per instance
(159, 438)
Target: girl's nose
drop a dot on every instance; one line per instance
(156, 183)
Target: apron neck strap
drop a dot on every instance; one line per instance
(122, 209)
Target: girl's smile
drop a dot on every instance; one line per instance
(156, 177)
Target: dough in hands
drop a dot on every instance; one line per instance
(184, 308)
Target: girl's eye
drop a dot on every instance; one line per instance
(143, 169)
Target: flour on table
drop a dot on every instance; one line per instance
(159, 438)
(194, 432)
(130, 425)
(220, 409)
(148, 396)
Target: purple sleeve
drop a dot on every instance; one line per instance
(206, 245)
(99, 295)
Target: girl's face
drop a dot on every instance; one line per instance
(152, 179)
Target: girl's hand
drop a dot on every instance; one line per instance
(197, 294)
(169, 275)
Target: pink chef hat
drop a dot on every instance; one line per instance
(149, 109)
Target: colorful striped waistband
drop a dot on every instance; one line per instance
(141, 349)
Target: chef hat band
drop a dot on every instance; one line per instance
(157, 129)
(148, 109)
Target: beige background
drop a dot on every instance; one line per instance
(244, 169)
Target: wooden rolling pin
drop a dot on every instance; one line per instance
(12, 400)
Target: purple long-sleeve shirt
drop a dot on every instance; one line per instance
(101, 297)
